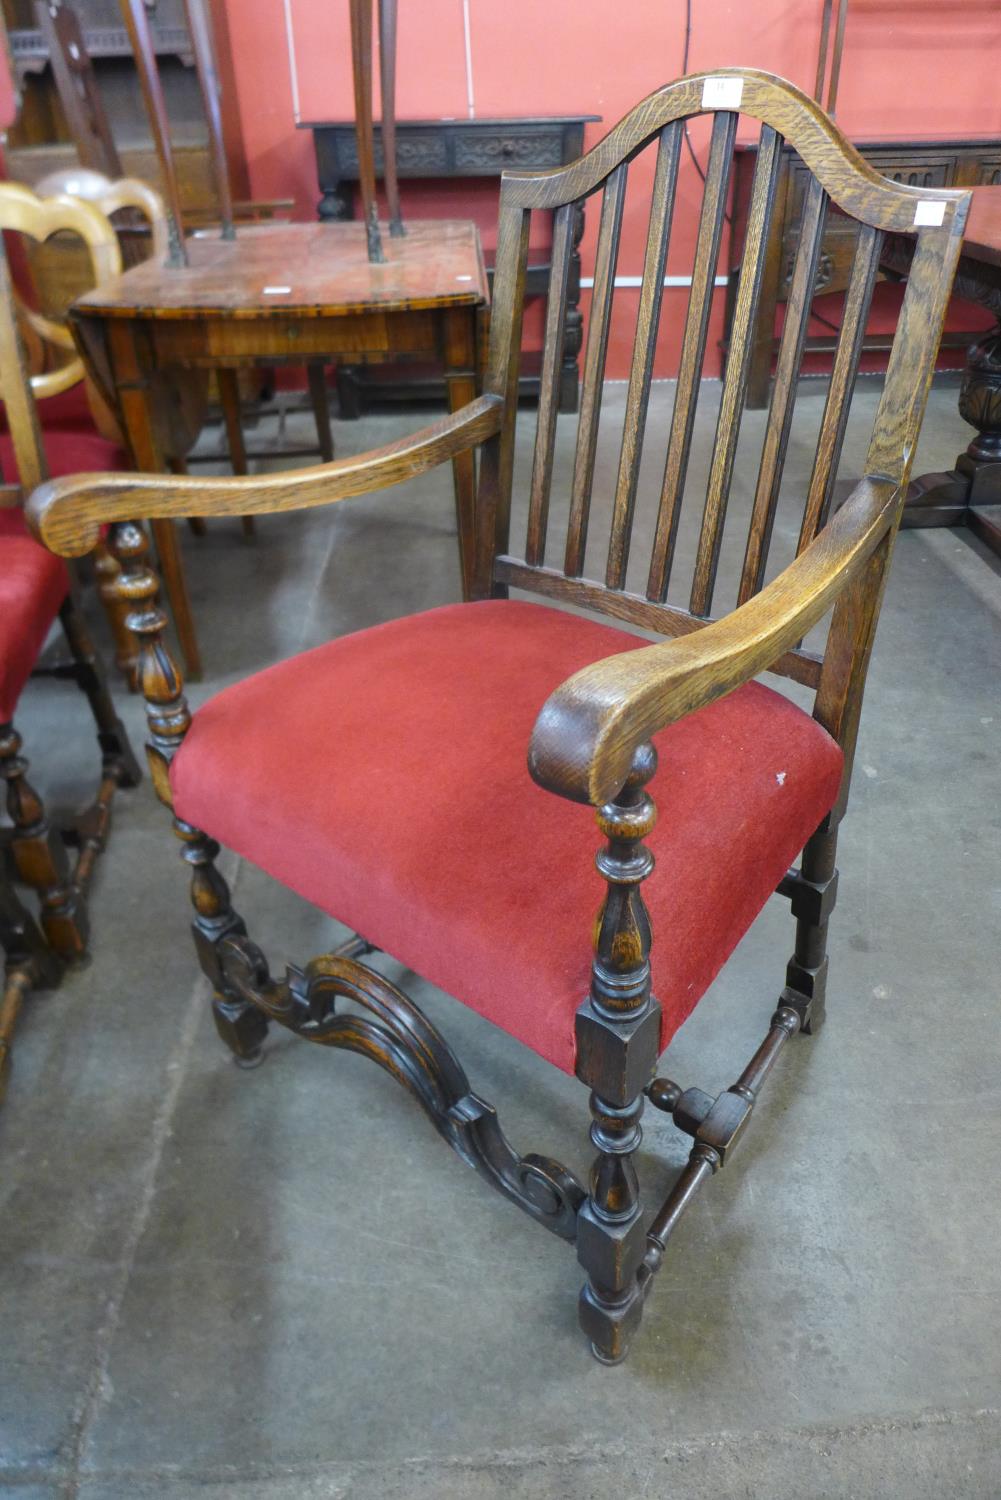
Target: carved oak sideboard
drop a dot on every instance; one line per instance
(929, 163)
(454, 148)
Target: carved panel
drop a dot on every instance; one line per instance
(493, 152)
(416, 155)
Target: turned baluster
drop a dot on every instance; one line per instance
(618, 1037)
(241, 1026)
(40, 858)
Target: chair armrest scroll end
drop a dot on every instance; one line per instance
(60, 519)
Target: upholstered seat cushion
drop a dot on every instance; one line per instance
(33, 585)
(33, 582)
(383, 777)
(69, 451)
(67, 412)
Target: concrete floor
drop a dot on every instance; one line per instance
(279, 1284)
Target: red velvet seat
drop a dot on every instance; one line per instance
(33, 585)
(69, 451)
(67, 412)
(33, 582)
(383, 776)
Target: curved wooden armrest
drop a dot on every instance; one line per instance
(67, 514)
(590, 727)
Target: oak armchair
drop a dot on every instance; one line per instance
(396, 795)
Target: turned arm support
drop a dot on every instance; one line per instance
(588, 730)
(67, 514)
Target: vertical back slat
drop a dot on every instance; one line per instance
(839, 392)
(693, 349)
(552, 359)
(493, 494)
(787, 367)
(644, 348)
(599, 318)
(738, 363)
(22, 415)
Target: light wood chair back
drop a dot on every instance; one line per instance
(129, 194)
(839, 181)
(25, 212)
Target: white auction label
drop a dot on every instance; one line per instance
(722, 93)
(929, 211)
(276, 291)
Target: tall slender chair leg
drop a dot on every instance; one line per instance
(320, 401)
(813, 899)
(361, 64)
(618, 1036)
(117, 757)
(39, 856)
(241, 1025)
(200, 31)
(229, 395)
(387, 75)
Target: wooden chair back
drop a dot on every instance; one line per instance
(136, 19)
(127, 196)
(77, 87)
(839, 180)
(25, 212)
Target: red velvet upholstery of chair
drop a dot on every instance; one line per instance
(747, 781)
(419, 779)
(36, 589)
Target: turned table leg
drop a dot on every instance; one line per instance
(134, 400)
(969, 494)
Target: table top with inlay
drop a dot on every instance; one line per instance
(306, 269)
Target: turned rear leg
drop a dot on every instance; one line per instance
(813, 896)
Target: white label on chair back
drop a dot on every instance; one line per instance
(929, 211)
(276, 291)
(722, 93)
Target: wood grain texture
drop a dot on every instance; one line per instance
(644, 349)
(552, 359)
(735, 375)
(587, 731)
(693, 350)
(324, 266)
(845, 175)
(839, 389)
(780, 411)
(598, 324)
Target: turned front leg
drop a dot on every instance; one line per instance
(240, 1025)
(618, 1041)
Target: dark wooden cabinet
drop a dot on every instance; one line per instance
(932, 164)
(454, 148)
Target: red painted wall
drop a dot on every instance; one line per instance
(911, 68)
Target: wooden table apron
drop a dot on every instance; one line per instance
(135, 352)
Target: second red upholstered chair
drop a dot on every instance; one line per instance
(435, 782)
(37, 590)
